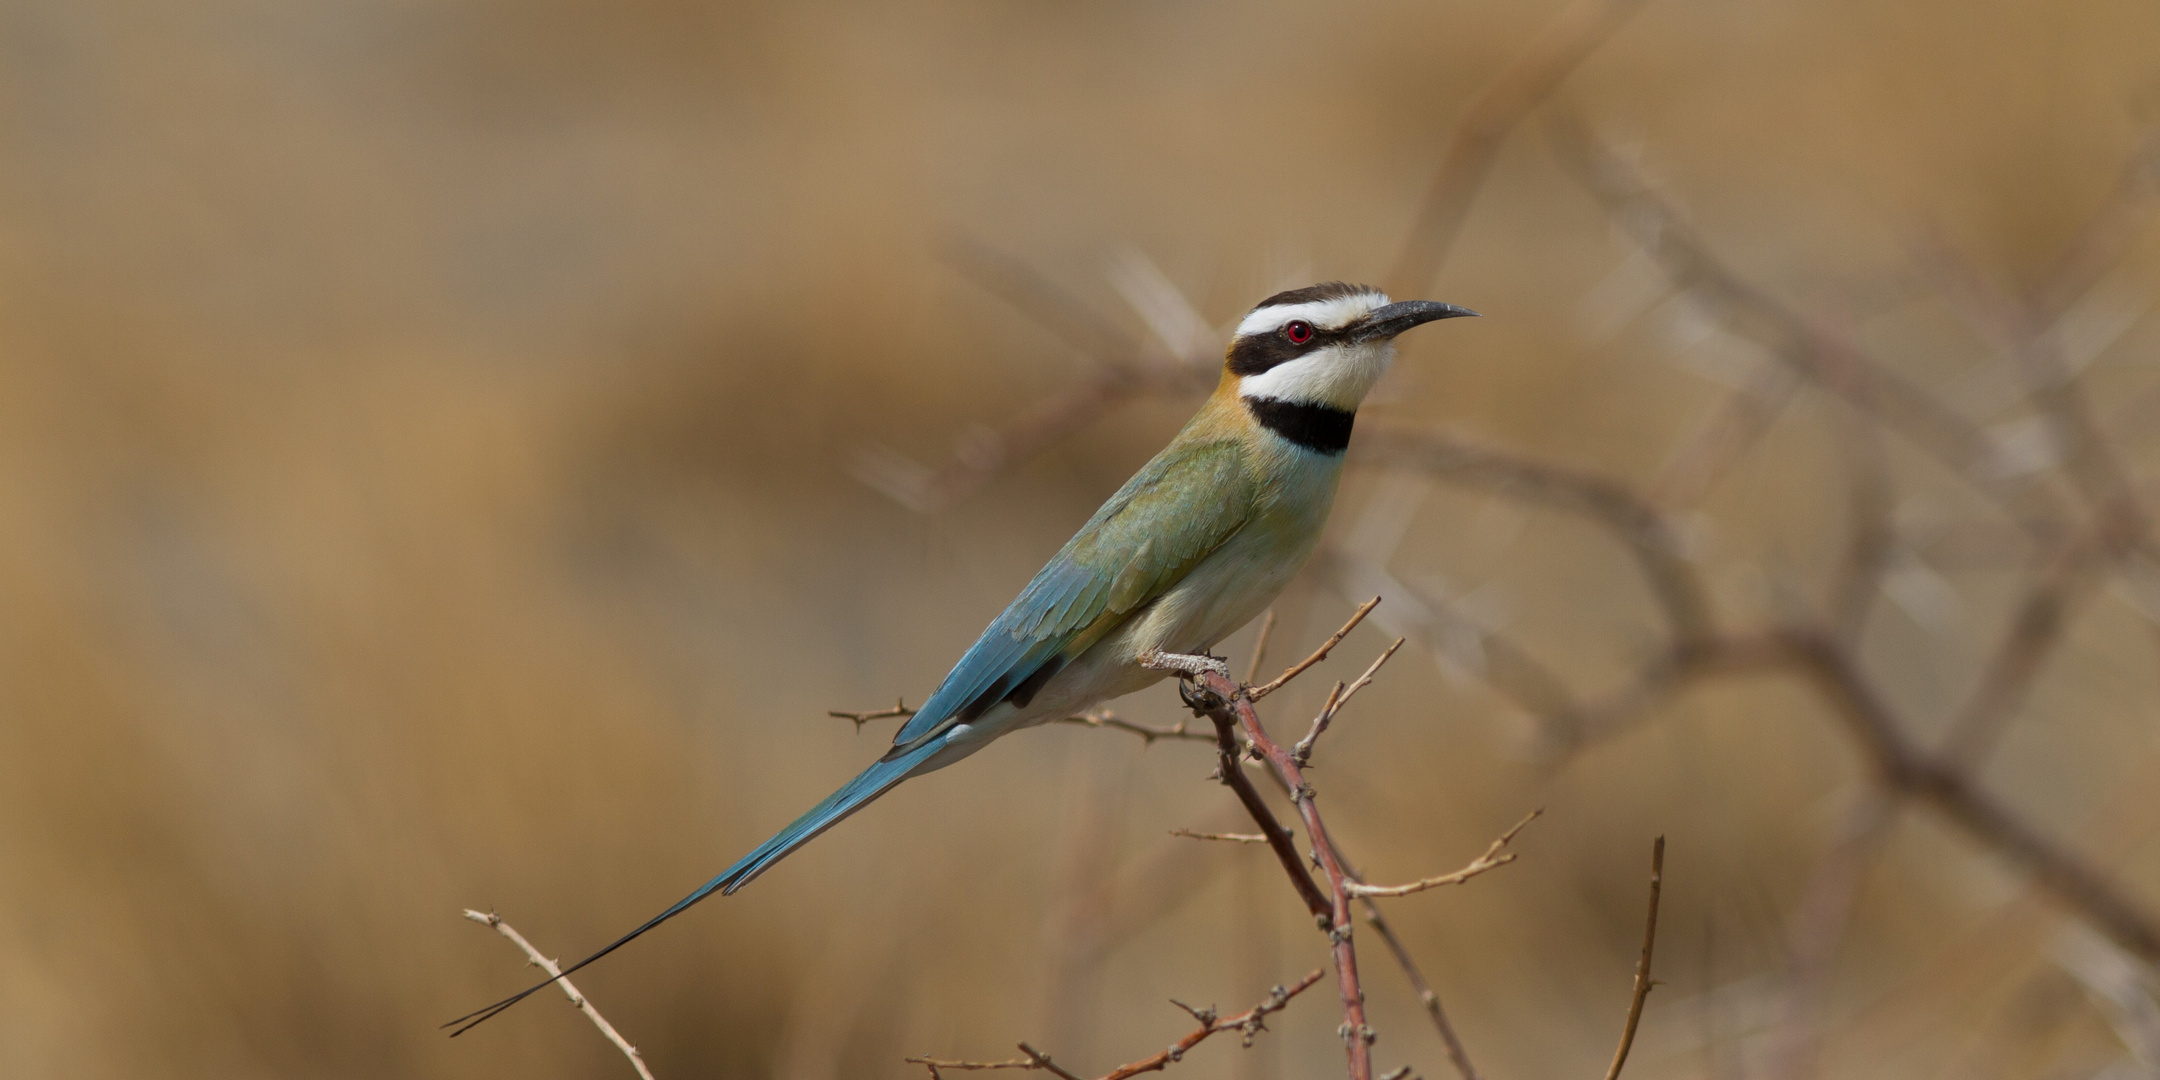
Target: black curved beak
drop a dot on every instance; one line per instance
(1393, 319)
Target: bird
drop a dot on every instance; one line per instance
(1197, 544)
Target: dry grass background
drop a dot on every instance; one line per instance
(423, 484)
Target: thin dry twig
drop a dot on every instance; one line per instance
(1642, 967)
(1148, 733)
(1492, 859)
(1337, 698)
(577, 999)
(1297, 669)
(1251, 1022)
(1233, 837)
(1030, 1059)
(899, 709)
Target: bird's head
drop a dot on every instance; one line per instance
(1323, 346)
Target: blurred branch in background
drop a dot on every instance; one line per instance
(577, 999)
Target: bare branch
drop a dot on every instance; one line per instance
(1225, 703)
(1642, 967)
(1251, 1022)
(1234, 837)
(578, 1000)
(1337, 698)
(1104, 718)
(1492, 859)
(1297, 669)
(899, 709)
(1228, 753)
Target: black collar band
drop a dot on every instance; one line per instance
(1318, 428)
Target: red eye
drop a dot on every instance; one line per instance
(1298, 331)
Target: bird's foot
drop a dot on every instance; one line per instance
(1186, 664)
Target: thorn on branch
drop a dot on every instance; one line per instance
(1249, 1022)
(1258, 692)
(1337, 698)
(1492, 859)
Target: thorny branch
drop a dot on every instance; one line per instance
(577, 999)
(1250, 1023)
(1492, 859)
(1337, 698)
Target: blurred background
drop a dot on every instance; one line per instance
(432, 457)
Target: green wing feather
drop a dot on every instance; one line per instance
(1176, 511)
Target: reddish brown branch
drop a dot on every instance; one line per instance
(1232, 774)
(1357, 1034)
(1251, 1022)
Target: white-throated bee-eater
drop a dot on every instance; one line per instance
(1193, 547)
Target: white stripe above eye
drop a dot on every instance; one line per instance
(1331, 314)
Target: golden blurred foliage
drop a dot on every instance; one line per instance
(426, 435)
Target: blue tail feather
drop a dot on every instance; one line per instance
(852, 796)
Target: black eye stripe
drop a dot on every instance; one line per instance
(1259, 352)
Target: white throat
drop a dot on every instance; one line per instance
(1337, 377)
